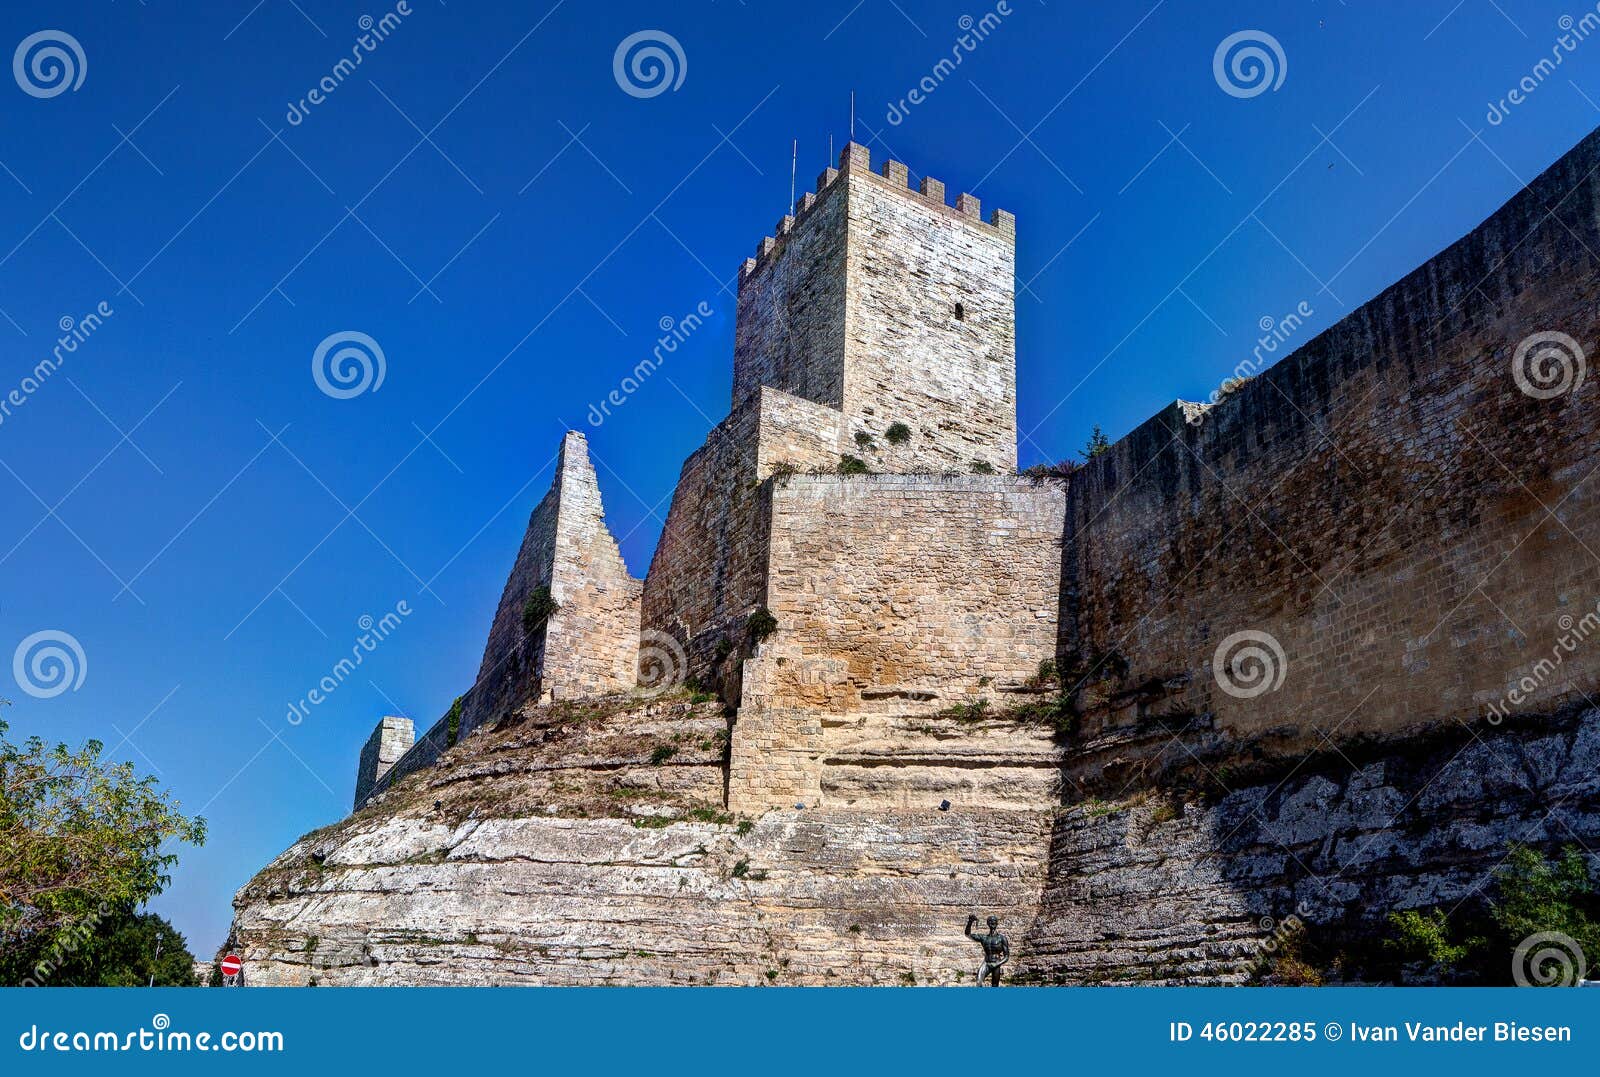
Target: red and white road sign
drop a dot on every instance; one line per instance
(231, 965)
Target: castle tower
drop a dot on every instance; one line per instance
(894, 308)
(877, 323)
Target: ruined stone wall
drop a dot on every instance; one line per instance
(590, 645)
(1413, 529)
(910, 355)
(893, 595)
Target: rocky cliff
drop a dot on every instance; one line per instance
(586, 844)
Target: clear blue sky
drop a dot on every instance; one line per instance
(555, 221)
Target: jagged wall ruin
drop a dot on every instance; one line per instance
(588, 645)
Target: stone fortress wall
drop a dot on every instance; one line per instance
(896, 595)
(1408, 528)
(1415, 531)
(589, 645)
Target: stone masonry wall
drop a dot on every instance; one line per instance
(1412, 529)
(894, 307)
(590, 646)
(391, 739)
(789, 332)
(910, 356)
(893, 595)
(592, 643)
(710, 566)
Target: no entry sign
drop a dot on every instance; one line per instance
(231, 965)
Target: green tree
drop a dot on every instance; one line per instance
(1539, 895)
(1097, 443)
(83, 843)
(125, 949)
(1532, 894)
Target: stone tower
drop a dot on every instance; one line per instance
(877, 323)
(894, 308)
(389, 741)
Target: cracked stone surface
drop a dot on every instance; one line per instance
(570, 847)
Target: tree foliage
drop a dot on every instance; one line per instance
(83, 843)
(126, 949)
(1532, 894)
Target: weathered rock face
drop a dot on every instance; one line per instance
(542, 853)
(1182, 889)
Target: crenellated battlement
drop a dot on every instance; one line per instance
(855, 160)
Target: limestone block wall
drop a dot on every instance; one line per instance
(789, 332)
(1417, 533)
(930, 334)
(424, 752)
(893, 595)
(894, 307)
(590, 645)
(391, 739)
(709, 568)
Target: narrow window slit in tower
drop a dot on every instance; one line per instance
(961, 313)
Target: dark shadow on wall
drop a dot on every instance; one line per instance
(1189, 882)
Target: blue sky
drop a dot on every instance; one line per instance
(484, 201)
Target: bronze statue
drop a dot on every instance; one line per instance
(996, 950)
